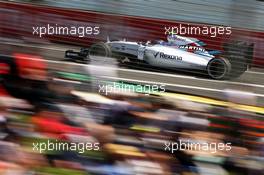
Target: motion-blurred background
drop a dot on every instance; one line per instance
(44, 98)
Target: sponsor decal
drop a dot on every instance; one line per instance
(156, 54)
(176, 37)
(193, 48)
(166, 56)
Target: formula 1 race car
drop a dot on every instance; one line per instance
(177, 53)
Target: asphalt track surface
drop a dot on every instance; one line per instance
(185, 82)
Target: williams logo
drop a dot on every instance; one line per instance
(166, 56)
(156, 54)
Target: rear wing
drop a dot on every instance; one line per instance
(243, 48)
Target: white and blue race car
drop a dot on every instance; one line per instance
(177, 52)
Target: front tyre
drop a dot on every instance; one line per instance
(100, 49)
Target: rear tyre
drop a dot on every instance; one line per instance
(100, 49)
(219, 68)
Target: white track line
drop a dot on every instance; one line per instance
(190, 77)
(253, 72)
(157, 73)
(175, 85)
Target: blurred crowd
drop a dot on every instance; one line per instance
(131, 130)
